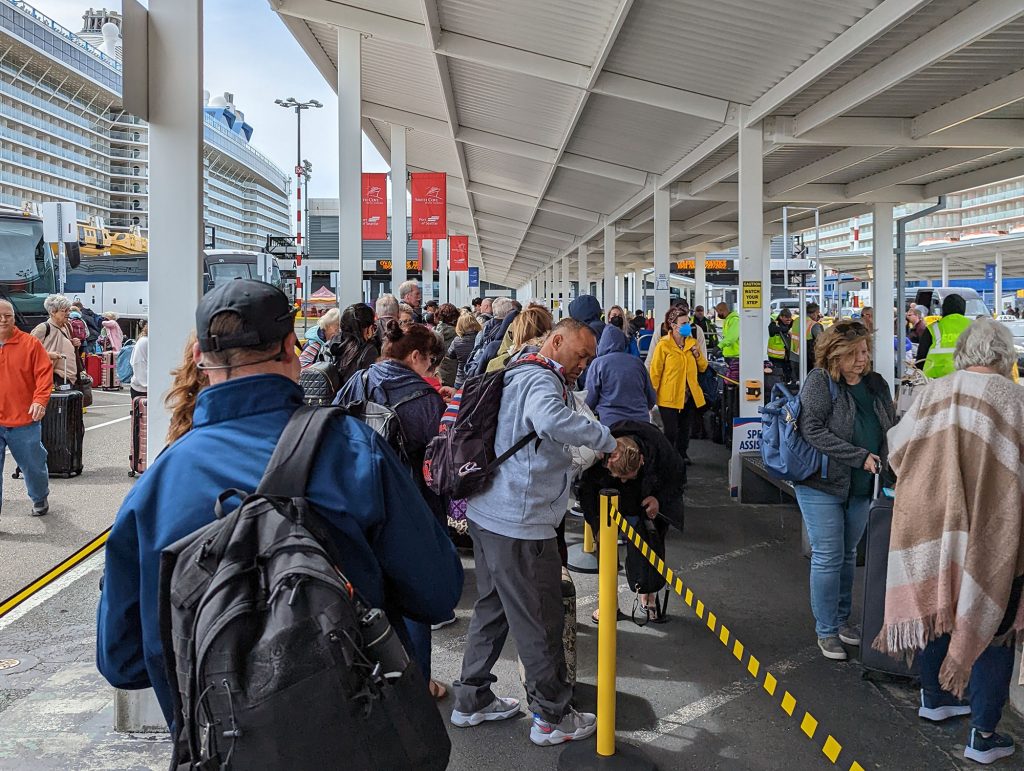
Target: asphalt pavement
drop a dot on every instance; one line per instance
(682, 696)
(80, 507)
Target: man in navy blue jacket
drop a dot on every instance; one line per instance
(395, 552)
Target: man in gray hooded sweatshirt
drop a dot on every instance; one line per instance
(512, 523)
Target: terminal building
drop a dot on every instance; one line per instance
(65, 136)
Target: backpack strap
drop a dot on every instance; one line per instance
(289, 468)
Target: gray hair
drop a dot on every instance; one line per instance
(331, 318)
(502, 306)
(387, 305)
(407, 286)
(55, 303)
(986, 343)
(406, 308)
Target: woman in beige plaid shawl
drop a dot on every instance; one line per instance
(956, 556)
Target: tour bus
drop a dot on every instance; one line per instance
(27, 271)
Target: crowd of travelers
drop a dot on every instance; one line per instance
(601, 380)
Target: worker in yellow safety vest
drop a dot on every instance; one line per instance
(783, 345)
(938, 342)
(812, 329)
(730, 340)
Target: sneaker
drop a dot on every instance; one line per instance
(849, 633)
(988, 750)
(41, 508)
(574, 726)
(831, 648)
(942, 707)
(443, 624)
(499, 709)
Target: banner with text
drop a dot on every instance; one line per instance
(474, 279)
(375, 207)
(458, 253)
(429, 205)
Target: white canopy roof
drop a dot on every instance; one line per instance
(553, 118)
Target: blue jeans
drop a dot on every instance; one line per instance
(26, 445)
(419, 637)
(835, 526)
(989, 687)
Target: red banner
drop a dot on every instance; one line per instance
(429, 205)
(375, 207)
(458, 253)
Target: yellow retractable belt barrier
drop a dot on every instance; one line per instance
(830, 747)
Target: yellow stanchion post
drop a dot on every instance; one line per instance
(609, 757)
(608, 609)
(588, 539)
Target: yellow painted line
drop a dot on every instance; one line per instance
(809, 725)
(831, 748)
(54, 573)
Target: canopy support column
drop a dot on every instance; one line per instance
(582, 276)
(350, 169)
(945, 270)
(443, 292)
(565, 288)
(398, 206)
(752, 256)
(884, 280)
(999, 284)
(700, 273)
(608, 285)
(662, 224)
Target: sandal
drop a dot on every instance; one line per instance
(437, 689)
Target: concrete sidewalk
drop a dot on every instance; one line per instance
(682, 695)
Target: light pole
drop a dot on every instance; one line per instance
(307, 172)
(292, 103)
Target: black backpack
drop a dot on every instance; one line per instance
(460, 460)
(383, 418)
(274, 660)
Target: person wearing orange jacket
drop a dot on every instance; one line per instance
(677, 361)
(27, 375)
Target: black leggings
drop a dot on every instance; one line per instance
(677, 425)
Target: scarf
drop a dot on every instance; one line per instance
(958, 522)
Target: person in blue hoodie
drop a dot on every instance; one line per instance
(587, 309)
(618, 384)
(394, 551)
(512, 523)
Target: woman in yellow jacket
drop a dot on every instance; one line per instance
(677, 360)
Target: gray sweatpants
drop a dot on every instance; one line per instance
(520, 591)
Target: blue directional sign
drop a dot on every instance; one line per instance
(990, 271)
(474, 277)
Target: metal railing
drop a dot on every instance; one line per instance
(65, 33)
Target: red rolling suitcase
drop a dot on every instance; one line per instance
(137, 453)
(94, 367)
(108, 380)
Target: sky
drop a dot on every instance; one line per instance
(250, 53)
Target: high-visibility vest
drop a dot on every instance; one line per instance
(730, 341)
(945, 332)
(777, 346)
(809, 327)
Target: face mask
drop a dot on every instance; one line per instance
(685, 329)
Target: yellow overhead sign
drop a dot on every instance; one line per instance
(708, 264)
(751, 294)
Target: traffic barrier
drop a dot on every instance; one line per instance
(53, 573)
(580, 756)
(809, 725)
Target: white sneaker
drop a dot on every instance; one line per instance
(443, 624)
(499, 709)
(574, 726)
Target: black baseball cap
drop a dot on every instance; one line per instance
(265, 310)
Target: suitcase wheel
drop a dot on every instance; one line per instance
(131, 472)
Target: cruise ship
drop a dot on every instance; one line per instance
(65, 136)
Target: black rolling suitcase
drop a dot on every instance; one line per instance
(876, 565)
(63, 433)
